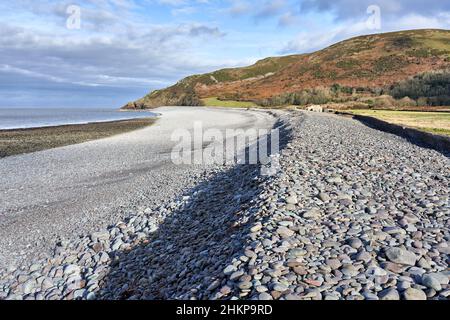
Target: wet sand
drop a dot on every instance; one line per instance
(21, 141)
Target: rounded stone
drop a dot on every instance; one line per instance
(432, 282)
(414, 294)
(389, 294)
(355, 243)
(401, 256)
(264, 296)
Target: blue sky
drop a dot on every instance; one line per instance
(125, 48)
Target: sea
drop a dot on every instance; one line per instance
(20, 118)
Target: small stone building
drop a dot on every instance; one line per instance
(315, 108)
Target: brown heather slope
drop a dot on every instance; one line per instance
(373, 61)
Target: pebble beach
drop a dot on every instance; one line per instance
(353, 214)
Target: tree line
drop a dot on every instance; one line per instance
(427, 89)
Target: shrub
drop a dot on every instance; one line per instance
(422, 101)
(348, 64)
(406, 102)
(384, 102)
(389, 63)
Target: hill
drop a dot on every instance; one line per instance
(407, 67)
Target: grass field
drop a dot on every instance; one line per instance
(434, 122)
(214, 102)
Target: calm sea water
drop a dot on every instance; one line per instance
(11, 118)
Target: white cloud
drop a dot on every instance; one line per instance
(308, 41)
(115, 47)
(134, 46)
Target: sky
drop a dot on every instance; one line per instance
(105, 53)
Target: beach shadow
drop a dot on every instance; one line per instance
(417, 137)
(186, 256)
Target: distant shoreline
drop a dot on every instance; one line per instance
(25, 118)
(26, 140)
(156, 114)
(74, 124)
